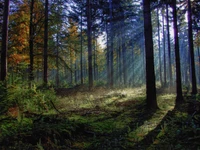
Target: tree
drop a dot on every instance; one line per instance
(191, 49)
(45, 78)
(4, 46)
(31, 37)
(111, 44)
(179, 96)
(169, 45)
(159, 48)
(164, 50)
(81, 55)
(150, 74)
(89, 36)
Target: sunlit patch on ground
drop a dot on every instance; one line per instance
(114, 104)
(166, 103)
(98, 98)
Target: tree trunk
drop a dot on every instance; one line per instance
(169, 46)
(4, 46)
(81, 62)
(111, 46)
(94, 58)
(120, 58)
(198, 49)
(179, 97)
(150, 74)
(107, 57)
(124, 58)
(31, 37)
(89, 36)
(75, 69)
(71, 66)
(57, 64)
(124, 55)
(45, 78)
(164, 51)
(159, 49)
(191, 49)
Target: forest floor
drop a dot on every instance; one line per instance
(105, 119)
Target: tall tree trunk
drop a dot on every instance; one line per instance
(179, 96)
(111, 45)
(89, 36)
(132, 64)
(159, 49)
(169, 46)
(75, 69)
(188, 69)
(164, 51)
(71, 66)
(31, 37)
(150, 74)
(191, 49)
(94, 57)
(124, 54)
(124, 59)
(4, 46)
(143, 59)
(57, 64)
(81, 62)
(120, 58)
(45, 78)
(107, 57)
(199, 63)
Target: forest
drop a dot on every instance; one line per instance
(99, 74)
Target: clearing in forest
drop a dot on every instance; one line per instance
(101, 119)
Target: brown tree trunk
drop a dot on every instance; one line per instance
(191, 49)
(89, 36)
(179, 97)
(169, 46)
(150, 74)
(164, 51)
(31, 37)
(4, 46)
(111, 46)
(159, 49)
(81, 59)
(57, 64)
(45, 78)
(124, 59)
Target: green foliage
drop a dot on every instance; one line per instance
(30, 99)
(3, 103)
(118, 120)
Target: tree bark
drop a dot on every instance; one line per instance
(89, 40)
(191, 49)
(81, 59)
(4, 46)
(169, 46)
(57, 64)
(111, 46)
(150, 74)
(31, 37)
(164, 51)
(45, 78)
(179, 97)
(159, 49)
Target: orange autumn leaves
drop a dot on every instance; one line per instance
(19, 26)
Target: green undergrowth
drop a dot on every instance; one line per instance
(100, 119)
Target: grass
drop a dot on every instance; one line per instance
(102, 119)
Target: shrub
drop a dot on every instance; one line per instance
(30, 99)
